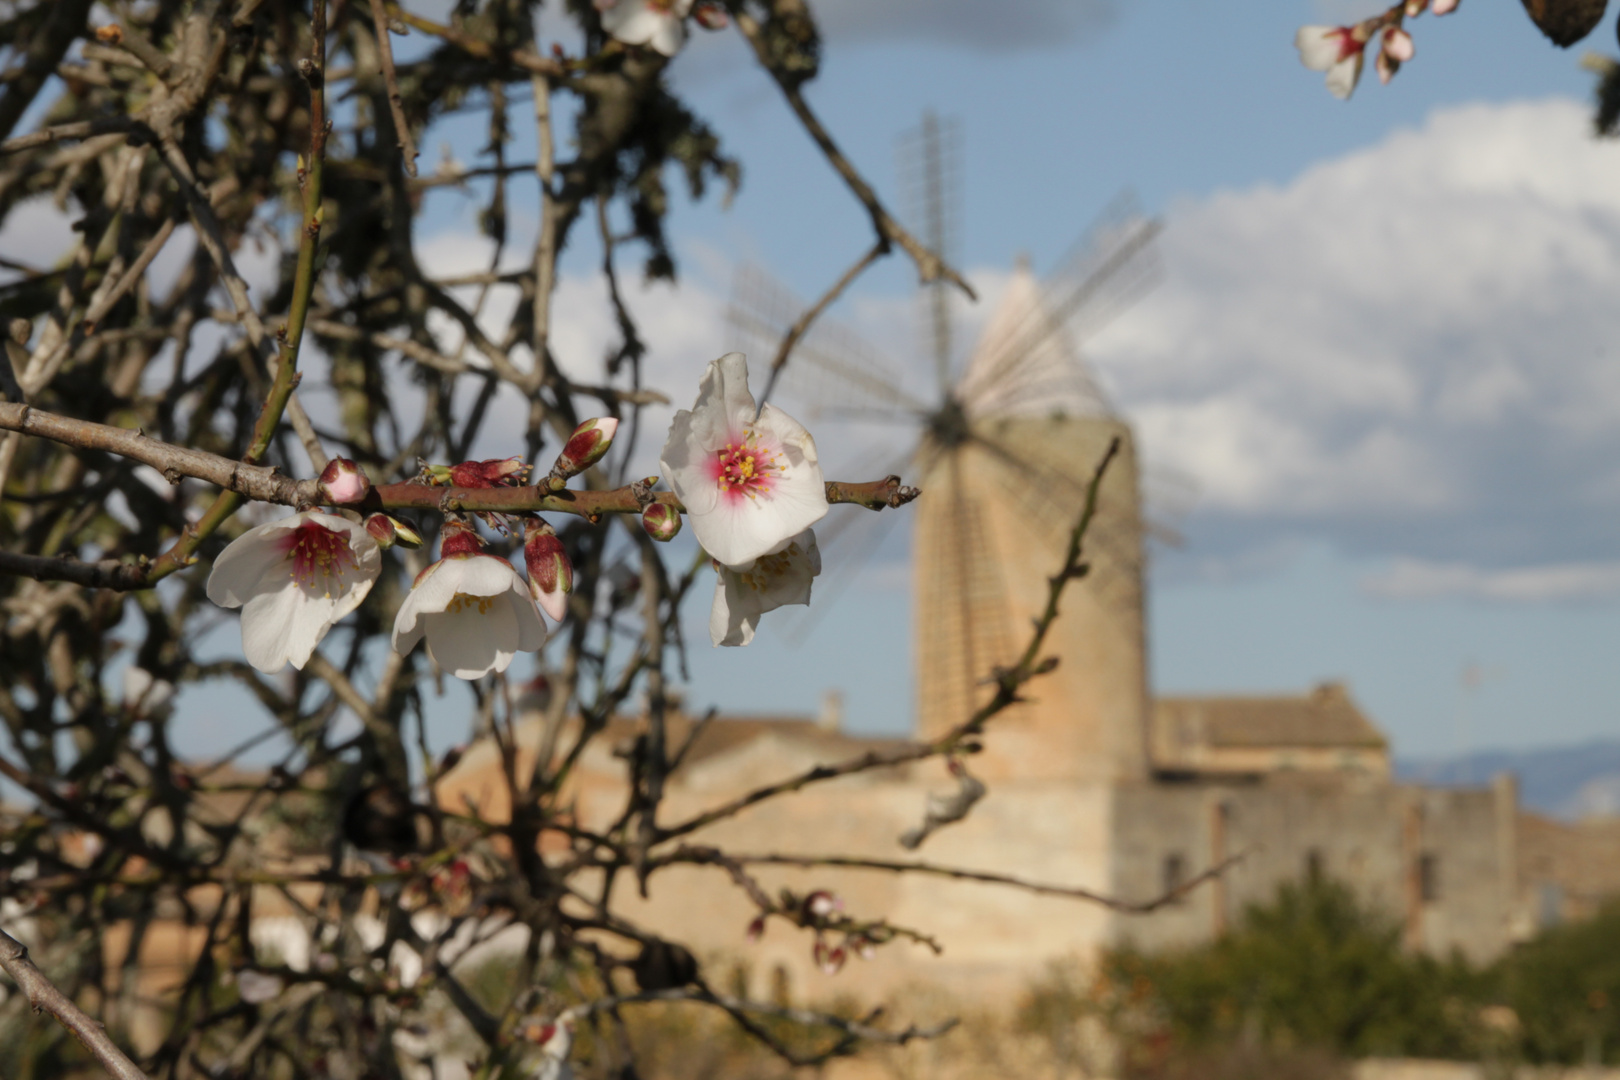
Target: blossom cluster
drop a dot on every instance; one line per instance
(747, 475)
(1340, 51)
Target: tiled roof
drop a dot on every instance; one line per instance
(1326, 717)
(727, 733)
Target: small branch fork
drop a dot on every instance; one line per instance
(43, 995)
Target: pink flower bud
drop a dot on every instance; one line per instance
(830, 961)
(342, 482)
(661, 521)
(585, 447)
(495, 472)
(1398, 44)
(1386, 66)
(551, 574)
(821, 903)
(1444, 7)
(710, 15)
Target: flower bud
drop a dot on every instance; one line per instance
(1398, 44)
(829, 960)
(551, 575)
(662, 521)
(756, 929)
(585, 447)
(821, 903)
(710, 15)
(495, 472)
(343, 483)
(388, 530)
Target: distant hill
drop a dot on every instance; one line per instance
(1567, 781)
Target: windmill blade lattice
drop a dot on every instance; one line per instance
(930, 166)
(831, 368)
(1035, 362)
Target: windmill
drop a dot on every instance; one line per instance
(1003, 449)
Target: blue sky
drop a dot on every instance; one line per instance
(1376, 382)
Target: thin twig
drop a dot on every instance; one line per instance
(43, 995)
(811, 314)
(396, 104)
(903, 866)
(930, 265)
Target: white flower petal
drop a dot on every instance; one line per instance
(469, 643)
(685, 461)
(743, 594)
(274, 628)
(531, 627)
(1343, 76)
(1319, 46)
(251, 563)
(724, 629)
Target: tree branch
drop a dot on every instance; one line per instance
(43, 995)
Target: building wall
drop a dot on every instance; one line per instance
(1373, 836)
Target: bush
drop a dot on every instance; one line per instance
(1565, 987)
(1314, 969)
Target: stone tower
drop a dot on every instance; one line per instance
(1004, 473)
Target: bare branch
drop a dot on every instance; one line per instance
(43, 995)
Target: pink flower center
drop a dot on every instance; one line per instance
(318, 556)
(745, 467)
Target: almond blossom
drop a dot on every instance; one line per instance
(1337, 50)
(660, 25)
(749, 477)
(474, 609)
(293, 579)
(743, 593)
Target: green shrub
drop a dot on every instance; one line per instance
(1312, 969)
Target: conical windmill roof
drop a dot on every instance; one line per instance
(1025, 363)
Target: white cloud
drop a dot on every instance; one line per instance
(1412, 351)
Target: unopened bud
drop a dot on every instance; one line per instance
(585, 447)
(661, 521)
(829, 960)
(821, 903)
(388, 530)
(495, 472)
(710, 15)
(551, 574)
(756, 929)
(342, 482)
